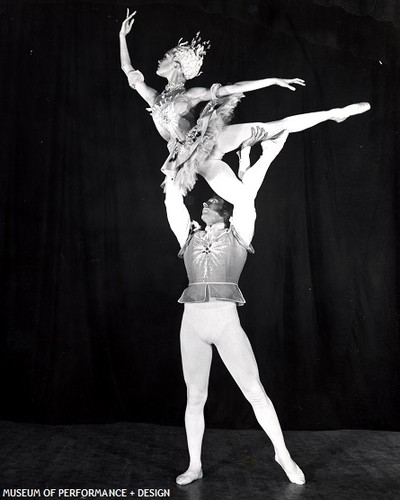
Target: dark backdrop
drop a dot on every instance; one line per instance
(89, 273)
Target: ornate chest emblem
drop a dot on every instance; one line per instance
(208, 252)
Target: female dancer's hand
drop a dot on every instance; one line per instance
(127, 24)
(288, 83)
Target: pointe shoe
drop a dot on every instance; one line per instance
(188, 477)
(296, 477)
(341, 114)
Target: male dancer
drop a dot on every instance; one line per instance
(214, 260)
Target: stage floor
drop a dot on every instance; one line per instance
(237, 465)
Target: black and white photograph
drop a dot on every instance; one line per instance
(200, 249)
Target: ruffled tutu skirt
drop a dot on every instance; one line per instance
(187, 157)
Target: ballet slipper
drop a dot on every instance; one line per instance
(189, 476)
(341, 114)
(295, 476)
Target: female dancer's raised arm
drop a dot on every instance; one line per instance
(135, 77)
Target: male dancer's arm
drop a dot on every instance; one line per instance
(244, 212)
(177, 213)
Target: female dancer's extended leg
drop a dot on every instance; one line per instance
(232, 136)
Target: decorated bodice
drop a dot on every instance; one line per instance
(214, 262)
(210, 257)
(173, 114)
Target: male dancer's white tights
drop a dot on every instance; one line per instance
(217, 322)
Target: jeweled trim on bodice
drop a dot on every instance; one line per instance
(164, 113)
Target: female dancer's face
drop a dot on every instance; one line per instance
(166, 65)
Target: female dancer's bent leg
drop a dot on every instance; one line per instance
(222, 180)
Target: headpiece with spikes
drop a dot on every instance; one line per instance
(190, 56)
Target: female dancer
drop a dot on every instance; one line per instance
(197, 147)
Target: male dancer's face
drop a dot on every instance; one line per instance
(213, 211)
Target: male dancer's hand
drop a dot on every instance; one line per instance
(258, 134)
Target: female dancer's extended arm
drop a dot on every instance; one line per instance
(237, 88)
(202, 94)
(135, 77)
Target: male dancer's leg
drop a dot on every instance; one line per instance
(237, 354)
(196, 362)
